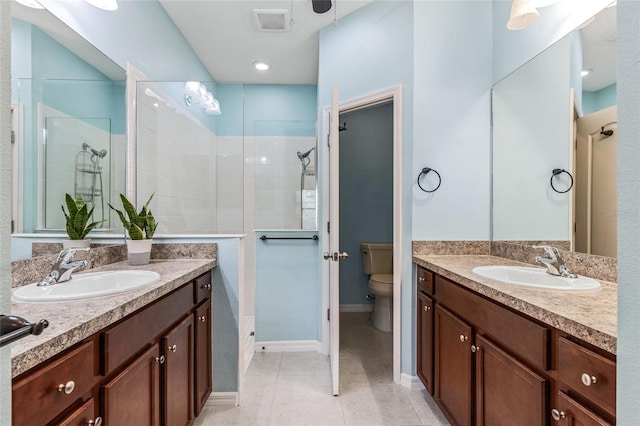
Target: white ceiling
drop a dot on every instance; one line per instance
(225, 37)
(599, 50)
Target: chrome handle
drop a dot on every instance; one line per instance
(206, 286)
(421, 279)
(336, 256)
(67, 388)
(160, 360)
(173, 348)
(96, 422)
(343, 256)
(427, 308)
(588, 379)
(557, 415)
(326, 255)
(463, 338)
(202, 318)
(475, 349)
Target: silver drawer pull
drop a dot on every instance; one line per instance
(96, 422)
(557, 415)
(588, 379)
(173, 348)
(160, 359)
(67, 388)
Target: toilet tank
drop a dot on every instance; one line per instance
(377, 258)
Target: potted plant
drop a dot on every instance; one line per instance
(77, 222)
(140, 226)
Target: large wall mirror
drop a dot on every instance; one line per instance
(554, 122)
(69, 119)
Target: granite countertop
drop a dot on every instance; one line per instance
(591, 317)
(72, 321)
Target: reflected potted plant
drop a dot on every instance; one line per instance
(140, 226)
(77, 222)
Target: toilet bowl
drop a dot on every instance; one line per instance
(377, 262)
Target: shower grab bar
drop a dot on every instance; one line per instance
(265, 238)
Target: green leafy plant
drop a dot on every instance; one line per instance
(77, 217)
(140, 225)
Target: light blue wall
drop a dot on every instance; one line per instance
(20, 55)
(139, 32)
(628, 386)
(366, 193)
(603, 98)
(288, 288)
(575, 73)
(279, 102)
(371, 50)
(512, 49)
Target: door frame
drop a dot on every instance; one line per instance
(394, 95)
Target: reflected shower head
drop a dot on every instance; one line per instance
(101, 154)
(302, 156)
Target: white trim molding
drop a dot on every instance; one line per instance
(365, 307)
(289, 346)
(222, 398)
(411, 382)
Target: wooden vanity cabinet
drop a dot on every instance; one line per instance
(149, 368)
(425, 336)
(495, 366)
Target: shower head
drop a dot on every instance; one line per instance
(302, 156)
(606, 133)
(100, 154)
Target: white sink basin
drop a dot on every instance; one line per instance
(91, 284)
(538, 278)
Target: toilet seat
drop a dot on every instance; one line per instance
(381, 285)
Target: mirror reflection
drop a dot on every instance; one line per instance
(557, 112)
(68, 107)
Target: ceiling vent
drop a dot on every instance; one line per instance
(272, 20)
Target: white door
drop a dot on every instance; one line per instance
(334, 255)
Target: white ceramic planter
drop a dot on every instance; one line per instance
(139, 251)
(76, 243)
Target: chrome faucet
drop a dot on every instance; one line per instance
(65, 266)
(554, 262)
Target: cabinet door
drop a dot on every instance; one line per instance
(203, 366)
(82, 416)
(425, 340)
(453, 377)
(177, 394)
(133, 396)
(572, 413)
(503, 383)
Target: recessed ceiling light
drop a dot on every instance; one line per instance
(31, 3)
(261, 66)
(586, 72)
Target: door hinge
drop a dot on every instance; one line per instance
(329, 314)
(13, 226)
(13, 136)
(328, 227)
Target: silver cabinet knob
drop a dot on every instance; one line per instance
(588, 379)
(202, 318)
(206, 286)
(173, 348)
(160, 359)
(96, 422)
(421, 279)
(463, 338)
(67, 388)
(427, 308)
(557, 415)
(475, 348)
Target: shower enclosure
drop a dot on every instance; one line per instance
(88, 183)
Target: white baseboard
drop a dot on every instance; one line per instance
(366, 307)
(411, 382)
(222, 398)
(289, 346)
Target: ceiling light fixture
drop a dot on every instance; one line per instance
(586, 72)
(33, 4)
(523, 15)
(261, 66)
(109, 5)
(196, 93)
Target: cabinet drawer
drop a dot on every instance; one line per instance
(520, 335)
(579, 366)
(44, 394)
(575, 413)
(127, 338)
(202, 288)
(83, 416)
(425, 280)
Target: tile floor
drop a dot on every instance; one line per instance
(294, 388)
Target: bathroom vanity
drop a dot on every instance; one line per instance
(141, 357)
(493, 355)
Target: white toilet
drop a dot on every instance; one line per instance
(377, 261)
